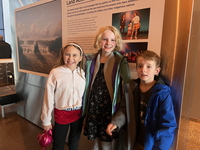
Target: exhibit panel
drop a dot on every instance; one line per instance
(82, 19)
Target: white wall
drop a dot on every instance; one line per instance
(6, 17)
(193, 69)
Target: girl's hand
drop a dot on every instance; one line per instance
(46, 128)
(110, 128)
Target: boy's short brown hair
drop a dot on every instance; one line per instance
(150, 55)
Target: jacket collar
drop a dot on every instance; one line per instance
(108, 66)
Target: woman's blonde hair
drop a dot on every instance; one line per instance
(99, 34)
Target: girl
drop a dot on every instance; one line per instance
(105, 72)
(63, 94)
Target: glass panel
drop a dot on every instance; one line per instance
(2, 33)
(1, 15)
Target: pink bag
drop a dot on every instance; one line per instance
(45, 139)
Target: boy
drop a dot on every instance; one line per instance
(149, 109)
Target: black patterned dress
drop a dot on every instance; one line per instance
(100, 108)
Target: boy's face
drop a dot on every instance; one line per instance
(146, 69)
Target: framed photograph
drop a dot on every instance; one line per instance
(38, 36)
(132, 24)
(131, 50)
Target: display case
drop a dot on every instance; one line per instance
(6, 72)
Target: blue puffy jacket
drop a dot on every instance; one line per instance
(160, 120)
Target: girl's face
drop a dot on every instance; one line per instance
(146, 69)
(71, 57)
(108, 42)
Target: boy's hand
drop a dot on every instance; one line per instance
(110, 128)
(46, 128)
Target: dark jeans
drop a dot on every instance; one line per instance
(59, 135)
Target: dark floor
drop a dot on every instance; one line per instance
(17, 133)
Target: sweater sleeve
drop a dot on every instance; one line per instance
(125, 72)
(119, 118)
(48, 102)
